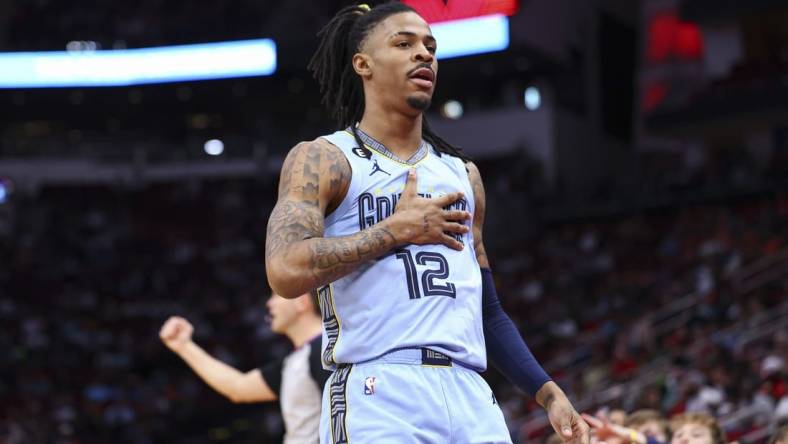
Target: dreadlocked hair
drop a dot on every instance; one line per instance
(341, 87)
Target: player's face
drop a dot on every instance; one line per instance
(282, 312)
(401, 65)
(692, 434)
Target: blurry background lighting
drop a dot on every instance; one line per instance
(532, 98)
(5, 190)
(452, 109)
(214, 147)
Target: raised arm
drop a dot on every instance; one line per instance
(315, 178)
(506, 348)
(237, 386)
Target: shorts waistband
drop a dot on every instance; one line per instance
(414, 356)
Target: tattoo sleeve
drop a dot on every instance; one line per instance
(478, 218)
(314, 180)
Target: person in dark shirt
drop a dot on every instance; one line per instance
(296, 381)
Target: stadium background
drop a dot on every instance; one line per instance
(635, 159)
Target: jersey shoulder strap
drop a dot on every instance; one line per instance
(344, 140)
(357, 158)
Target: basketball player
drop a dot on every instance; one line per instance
(297, 380)
(407, 296)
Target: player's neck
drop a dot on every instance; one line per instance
(304, 330)
(398, 132)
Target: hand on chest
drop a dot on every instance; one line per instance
(378, 197)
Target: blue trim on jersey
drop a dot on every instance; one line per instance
(382, 149)
(331, 323)
(391, 157)
(338, 407)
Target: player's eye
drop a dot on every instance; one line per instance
(432, 49)
(404, 44)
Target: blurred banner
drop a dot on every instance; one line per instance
(471, 36)
(138, 66)
(435, 11)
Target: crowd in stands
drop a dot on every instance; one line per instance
(89, 274)
(88, 277)
(597, 291)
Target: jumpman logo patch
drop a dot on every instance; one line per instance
(376, 168)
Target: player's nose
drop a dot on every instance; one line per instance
(423, 55)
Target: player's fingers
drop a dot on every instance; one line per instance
(455, 228)
(585, 432)
(447, 199)
(456, 215)
(565, 425)
(410, 184)
(451, 242)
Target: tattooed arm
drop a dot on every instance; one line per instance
(315, 178)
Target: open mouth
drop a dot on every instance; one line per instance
(424, 77)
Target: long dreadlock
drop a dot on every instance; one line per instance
(342, 89)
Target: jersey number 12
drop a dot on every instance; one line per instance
(429, 286)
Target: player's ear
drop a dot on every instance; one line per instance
(361, 64)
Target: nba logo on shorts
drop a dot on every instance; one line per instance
(369, 385)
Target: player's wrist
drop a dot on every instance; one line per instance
(548, 394)
(400, 230)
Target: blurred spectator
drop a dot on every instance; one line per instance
(696, 428)
(780, 436)
(650, 423)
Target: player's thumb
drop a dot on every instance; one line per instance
(565, 424)
(410, 184)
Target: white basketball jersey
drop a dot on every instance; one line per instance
(416, 295)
